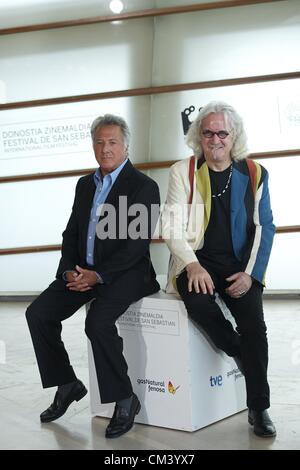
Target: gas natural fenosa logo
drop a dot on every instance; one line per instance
(171, 388)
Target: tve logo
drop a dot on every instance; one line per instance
(216, 381)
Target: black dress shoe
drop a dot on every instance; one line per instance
(263, 425)
(62, 403)
(122, 420)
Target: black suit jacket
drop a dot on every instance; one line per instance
(124, 263)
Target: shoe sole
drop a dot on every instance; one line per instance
(138, 409)
(251, 422)
(77, 398)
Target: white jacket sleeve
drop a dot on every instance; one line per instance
(175, 215)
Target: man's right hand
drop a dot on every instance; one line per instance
(199, 279)
(71, 276)
(76, 281)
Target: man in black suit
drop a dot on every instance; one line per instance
(105, 259)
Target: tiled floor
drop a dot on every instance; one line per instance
(22, 398)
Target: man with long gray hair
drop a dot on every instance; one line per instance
(222, 244)
(105, 259)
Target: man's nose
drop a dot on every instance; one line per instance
(216, 138)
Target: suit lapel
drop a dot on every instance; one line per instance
(203, 186)
(239, 183)
(120, 187)
(89, 191)
(86, 202)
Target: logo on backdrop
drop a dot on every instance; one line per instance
(235, 373)
(45, 137)
(158, 386)
(217, 380)
(171, 388)
(150, 320)
(185, 118)
(153, 385)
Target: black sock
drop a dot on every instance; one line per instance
(125, 403)
(63, 390)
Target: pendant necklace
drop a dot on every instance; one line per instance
(226, 186)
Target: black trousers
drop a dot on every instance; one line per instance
(249, 342)
(45, 316)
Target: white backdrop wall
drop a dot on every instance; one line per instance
(23, 12)
(208, 45)
(63, 62)
(73, 61)
(53, 147)
(229, 43)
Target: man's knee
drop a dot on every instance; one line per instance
(196, 302)
(38, 312)
(97, 327)
(32, 314)
(199, 306)
(89, 327)
(252, 327)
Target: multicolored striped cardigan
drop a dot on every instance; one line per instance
(252, 227)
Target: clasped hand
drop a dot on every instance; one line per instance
(81, 280)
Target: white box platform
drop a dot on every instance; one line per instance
(182, 381)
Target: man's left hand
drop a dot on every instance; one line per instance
(85, 280)
(241, 283)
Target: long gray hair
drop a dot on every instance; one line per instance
(239, 149)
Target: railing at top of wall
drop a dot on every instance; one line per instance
(46, 248)
(152, 12)
(154, 90)
(138, 92)
(140, 166)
